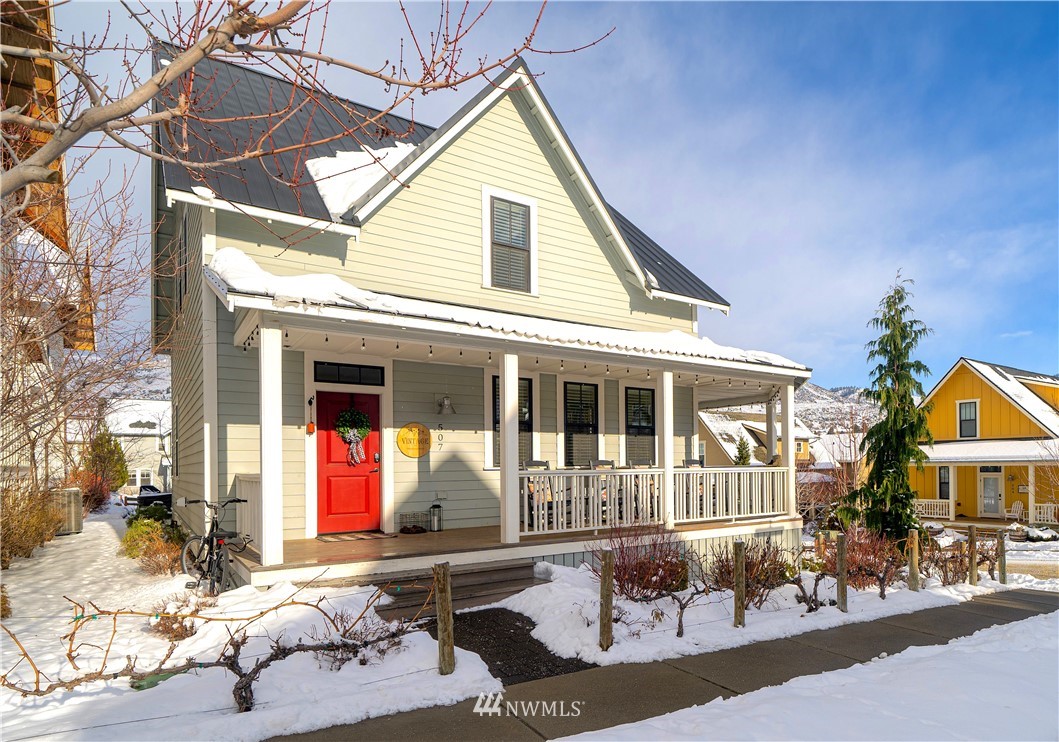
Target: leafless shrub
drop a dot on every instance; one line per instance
(159, 556)
(30, 519)
(5, 603)
(175, 616)
(871, 560)
(648, 563)
(767, 568)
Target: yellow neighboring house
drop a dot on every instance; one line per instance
(720, 432)
(996, 445)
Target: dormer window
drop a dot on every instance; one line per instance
(968, 419)
(509, 241)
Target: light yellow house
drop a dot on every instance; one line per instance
(996, 445)
(502, 342)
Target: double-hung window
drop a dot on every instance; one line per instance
(581, 423)
(639, 425)
(525, 420)
(943, 483)
(510, 246)
(968, 419)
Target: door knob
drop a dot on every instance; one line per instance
(374, 471)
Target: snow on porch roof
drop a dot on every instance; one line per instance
(237, 273)
(988, 452)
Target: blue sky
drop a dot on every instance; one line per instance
(797, 155)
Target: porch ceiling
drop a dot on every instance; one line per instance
(713, 387)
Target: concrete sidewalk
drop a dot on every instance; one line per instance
(619, 694)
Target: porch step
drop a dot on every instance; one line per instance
(473, 585)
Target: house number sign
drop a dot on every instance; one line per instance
(414, 440)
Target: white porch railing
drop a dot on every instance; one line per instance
(932, 509)
(725, 494)
(1045, 513)
(248, 514)
(553, 501)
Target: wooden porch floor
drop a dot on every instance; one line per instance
(310, 552)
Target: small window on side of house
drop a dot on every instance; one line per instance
(943, 483)
(510, 258)
(968, 419)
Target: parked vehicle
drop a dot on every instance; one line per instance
(149, 495)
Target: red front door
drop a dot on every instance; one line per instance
(347, 496)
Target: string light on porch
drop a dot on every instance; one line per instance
(430, 352)
(562, 365)
(325, 338)
(490, 356)
(362, 345)
(608, 370)
(648, 373)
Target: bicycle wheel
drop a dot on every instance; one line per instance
(219, 571)
(193, 557)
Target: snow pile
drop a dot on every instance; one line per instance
(566, 611)
(1000, 683)
(344, 178)
(241, 274)
(297, 694)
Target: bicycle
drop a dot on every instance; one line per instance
(206, 558)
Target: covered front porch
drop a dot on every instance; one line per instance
(988, 481)
(532, 435)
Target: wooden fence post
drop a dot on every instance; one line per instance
(821, 545)
(1002, 555)
(913, 560)
(606, 600)
(740, 584)
(842, 576)
(972, 555)
(443, 604)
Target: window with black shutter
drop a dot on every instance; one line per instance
(581, 423)
(510, 252)
(525, 420)
(639, 425)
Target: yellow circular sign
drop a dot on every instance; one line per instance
(414, 440)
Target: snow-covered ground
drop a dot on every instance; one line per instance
(300, 693)
(566, 611)
(1000, 683)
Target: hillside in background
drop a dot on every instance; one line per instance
(826, 410)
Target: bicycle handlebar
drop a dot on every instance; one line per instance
(214, 505)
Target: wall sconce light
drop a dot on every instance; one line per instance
(445, 406)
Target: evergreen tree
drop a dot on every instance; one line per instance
(103, 469)
(742, 453)
(886, 502)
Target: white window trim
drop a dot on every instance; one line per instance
(387, 432)
(560, 415)
(977, 418)
(535, 409)
(489, 193)
(623, 456)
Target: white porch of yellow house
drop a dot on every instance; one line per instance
(537, 507)
(990, 480)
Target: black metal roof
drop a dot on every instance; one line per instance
(237, 96)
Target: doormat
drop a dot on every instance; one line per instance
(330, 538)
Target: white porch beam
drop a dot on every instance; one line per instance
(1031, 497)
(770, 429)
(666, 454)
(787, 451)
(270, 389)
(509, 497)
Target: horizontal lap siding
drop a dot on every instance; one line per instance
(427, 240)
(238, 416)
(548, 422)
(454, 468)
(186, 358)
(684, 421)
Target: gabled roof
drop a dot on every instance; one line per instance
(237, 90)
(728, 432)
(1010, 383)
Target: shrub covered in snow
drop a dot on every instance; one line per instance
(175, 616)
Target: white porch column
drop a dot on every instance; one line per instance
(954, 477)
(770, 429)
(270, 370)
(1031, 498)
(666, 453)
(787, 452)
(509, 497)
